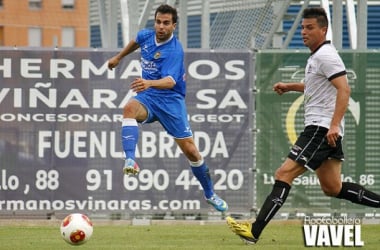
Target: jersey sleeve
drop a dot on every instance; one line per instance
(142, 35)
(332, 65)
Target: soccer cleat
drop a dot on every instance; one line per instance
(218, 203)
(243, 230)
(131, 167)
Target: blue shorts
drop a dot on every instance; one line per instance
(169, 110)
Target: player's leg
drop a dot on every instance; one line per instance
(284, 176)
(133, 111)
(198, 166)
(300, 157)
(329, 175)
(201, 172)
(172, 114)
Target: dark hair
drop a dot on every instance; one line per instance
(318, 13)
(167, 9)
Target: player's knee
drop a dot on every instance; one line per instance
(192, 154)
(128, 109)
(189, 149)
(282, 174)
(286, 175)
(330, 191)
(278, 174)
(127, 112)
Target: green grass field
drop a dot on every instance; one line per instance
(177, 235)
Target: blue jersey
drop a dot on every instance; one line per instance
(162, 60)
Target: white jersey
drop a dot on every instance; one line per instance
(323, 65)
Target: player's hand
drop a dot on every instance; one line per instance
(113, 62)
(139, 85)
(332, 136)
(280, 88)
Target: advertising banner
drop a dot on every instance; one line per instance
(60, 121)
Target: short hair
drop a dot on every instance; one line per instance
(167, 9)
(318, 13)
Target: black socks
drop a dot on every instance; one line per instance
(350, 191)
(358, 194)
(270, 207)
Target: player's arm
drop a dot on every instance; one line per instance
(140, 84)
(170, 69)
(341, 104)
(281, 87)
(131, 46)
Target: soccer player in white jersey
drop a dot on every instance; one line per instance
(161, 97)
(319, 146)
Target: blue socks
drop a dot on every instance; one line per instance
(201, 172)
(129, 137)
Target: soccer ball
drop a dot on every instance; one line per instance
(76, 229)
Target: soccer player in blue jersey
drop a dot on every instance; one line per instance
(161, 97)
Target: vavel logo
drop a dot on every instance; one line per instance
(332, 231)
